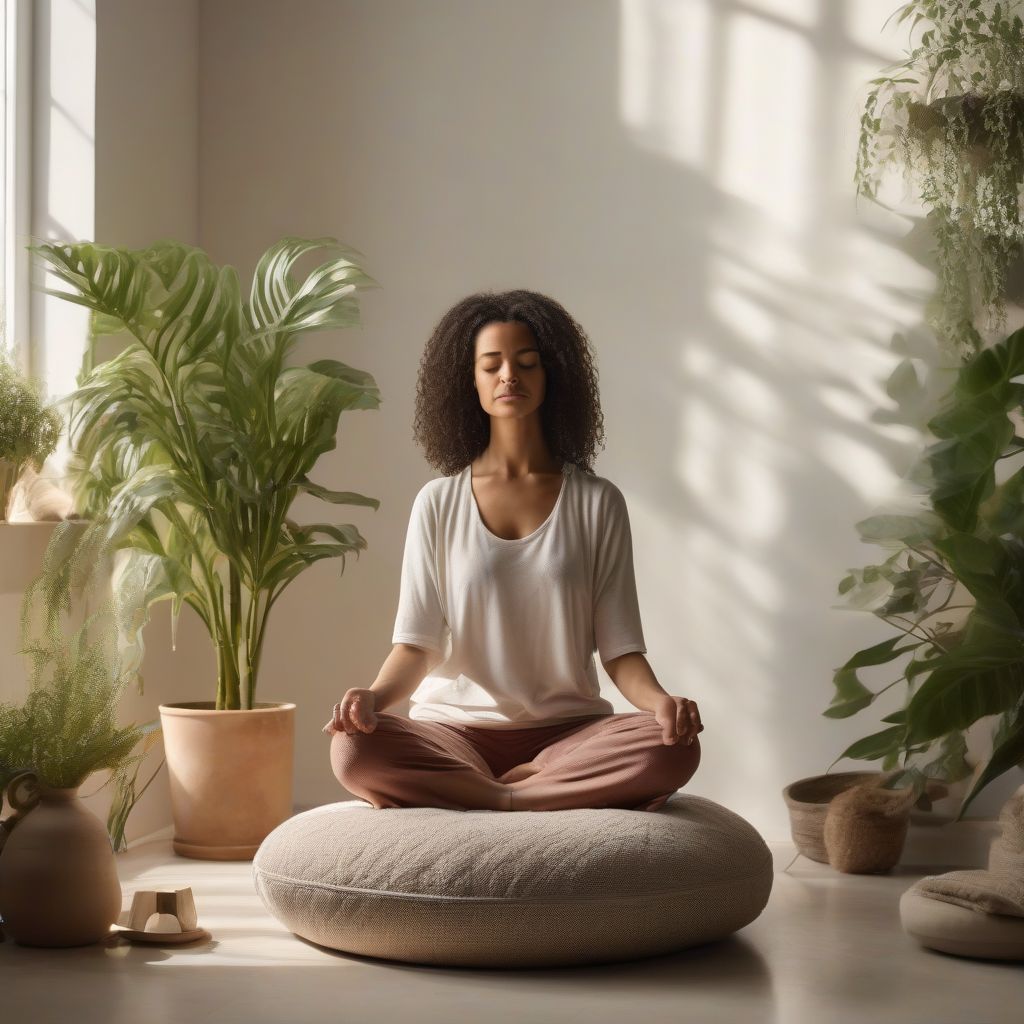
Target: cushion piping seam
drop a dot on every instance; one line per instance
(508, 899)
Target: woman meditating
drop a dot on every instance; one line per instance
(518, 565)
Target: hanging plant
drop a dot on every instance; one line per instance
(952, 116)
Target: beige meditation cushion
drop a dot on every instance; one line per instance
(960, 930)
(514, 889)
(976, 912)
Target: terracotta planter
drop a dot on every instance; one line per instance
(230, 774)
(58, 873)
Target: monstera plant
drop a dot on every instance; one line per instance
(954, 588)
(192, 443)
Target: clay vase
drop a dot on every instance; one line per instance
(58, 872)
(230, 775)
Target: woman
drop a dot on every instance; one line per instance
(522, 557)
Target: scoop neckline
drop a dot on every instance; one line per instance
(567, 468)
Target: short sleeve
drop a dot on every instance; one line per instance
(617, 626)
(420, 619)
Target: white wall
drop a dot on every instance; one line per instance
(679, 175)
(147, 130)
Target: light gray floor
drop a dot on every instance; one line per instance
(828, 949)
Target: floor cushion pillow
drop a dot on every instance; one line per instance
(514, 889)
(962, 931)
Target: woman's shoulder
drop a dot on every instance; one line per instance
(596, 488)
(439, 492)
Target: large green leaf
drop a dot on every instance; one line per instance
(966, 684)
(308, 403)
(1006, 512)
(337, 497)
(850, 697)
(901, 529)
(279, 305)
(144, 579)
(873, 747)
(1007, 753)
(967, 553)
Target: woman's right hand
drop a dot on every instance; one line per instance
(354, 713)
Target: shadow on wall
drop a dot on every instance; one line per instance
(680, 175)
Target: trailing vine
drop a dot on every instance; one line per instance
(952, 117)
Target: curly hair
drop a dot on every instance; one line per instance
(450, 424)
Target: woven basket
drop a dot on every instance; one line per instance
(866, 827)
(808, 800)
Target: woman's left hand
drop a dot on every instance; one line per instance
(679, 719)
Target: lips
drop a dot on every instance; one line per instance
(512, 394)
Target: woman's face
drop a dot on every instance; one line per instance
(507, 361)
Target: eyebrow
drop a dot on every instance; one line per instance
(531, 348)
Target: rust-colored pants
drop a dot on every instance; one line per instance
(618, 760)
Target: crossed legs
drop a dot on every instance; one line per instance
(609, 761)
(406, 763)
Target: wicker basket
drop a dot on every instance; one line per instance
(808, 800)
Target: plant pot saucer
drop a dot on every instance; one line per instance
(160, 938)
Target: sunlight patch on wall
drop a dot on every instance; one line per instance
(665, 61)
(746, 318)
(863, 22)
(733, 473)
(862, 469)
(793, 12)
(768, 83)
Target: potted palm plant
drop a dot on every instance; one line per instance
(190, 446)
(953, 587)
(952, 116)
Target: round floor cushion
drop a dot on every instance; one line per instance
(959, 930)
(514, 889)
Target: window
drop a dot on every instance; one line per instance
(15, 210)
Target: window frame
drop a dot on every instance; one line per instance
(17, 177)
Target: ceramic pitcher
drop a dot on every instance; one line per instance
(58, 872)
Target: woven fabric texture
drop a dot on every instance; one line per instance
(485, 888)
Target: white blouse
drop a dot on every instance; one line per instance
(517, 621)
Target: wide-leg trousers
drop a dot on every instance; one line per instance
(618, 760)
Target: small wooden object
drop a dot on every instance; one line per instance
(176, 903)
